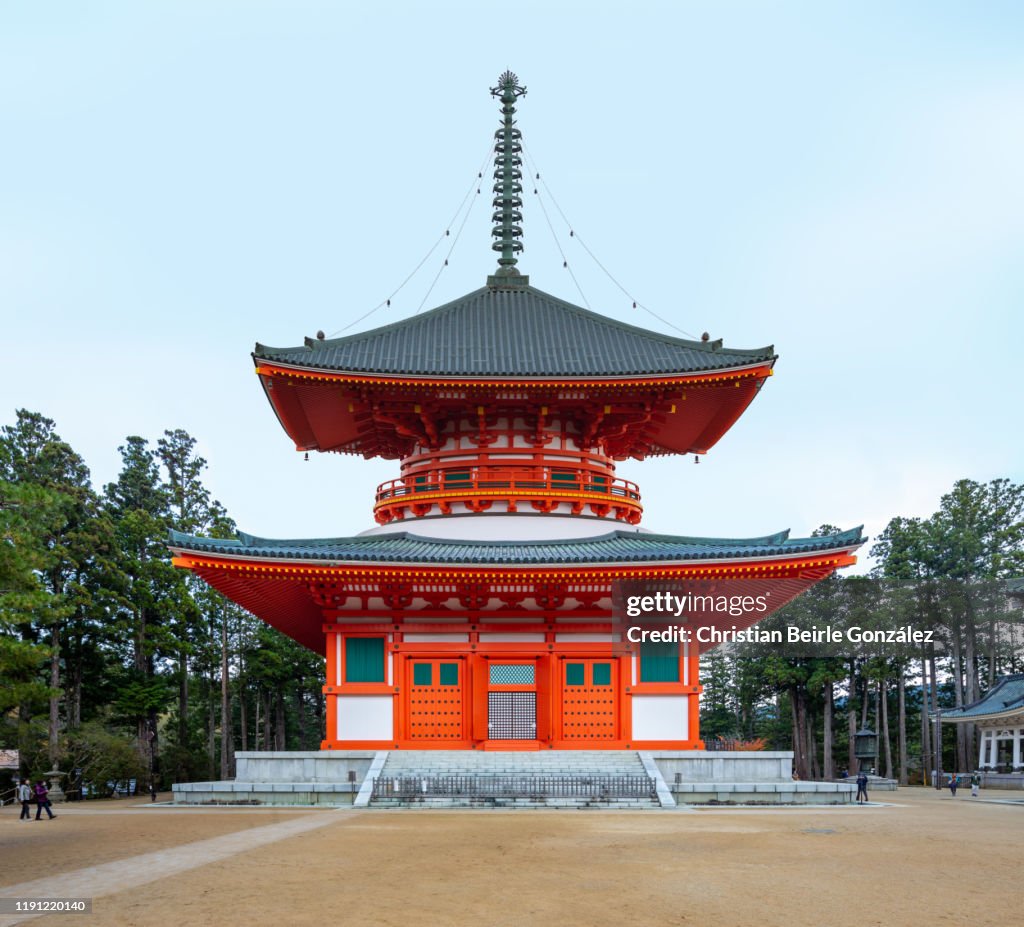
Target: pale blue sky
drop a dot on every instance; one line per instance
(179, 180)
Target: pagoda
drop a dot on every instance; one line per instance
(478, 612)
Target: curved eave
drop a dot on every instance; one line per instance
(994, 705)
(611, 569)
(266, 366)
(286, 591)
(327, 410)
(988, 716)
(287, 594)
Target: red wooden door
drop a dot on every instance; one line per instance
(436, 703)
(589, 700)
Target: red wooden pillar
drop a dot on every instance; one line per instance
(330, 689)
(693, 726)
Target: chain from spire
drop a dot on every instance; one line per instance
(508, 185)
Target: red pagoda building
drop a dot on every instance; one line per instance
(478, 613)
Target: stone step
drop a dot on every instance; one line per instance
(554, 803)
(575, 766)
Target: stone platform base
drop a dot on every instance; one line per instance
(691, 777)
(255, 793)
(991, 780)
(701, 777)
(322, 777)
(763, 793)
(875, 783)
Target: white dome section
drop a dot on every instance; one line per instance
(504, 527)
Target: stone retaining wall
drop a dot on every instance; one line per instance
(322, 778)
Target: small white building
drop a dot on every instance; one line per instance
(999, 717)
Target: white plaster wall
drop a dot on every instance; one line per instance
(512, 638)
(522, 526)
(365, 717)
(436, 638)
(660, 717)
(586, 638)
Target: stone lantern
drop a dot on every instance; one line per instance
(865, 748)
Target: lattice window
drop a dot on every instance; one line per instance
(514, 674)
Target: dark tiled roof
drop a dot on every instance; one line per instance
(513, 332)
(1006, 695)
(615, 547)
(1015, 586)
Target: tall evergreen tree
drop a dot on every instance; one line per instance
(33, 454)
(27, 515)
(153, 593)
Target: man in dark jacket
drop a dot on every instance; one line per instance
(862, 787)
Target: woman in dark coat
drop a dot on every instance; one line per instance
(43, 800)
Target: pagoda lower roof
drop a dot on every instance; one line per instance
(515, 332)
(616, 547)
(1006, 697)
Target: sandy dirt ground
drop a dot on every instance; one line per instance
(925, 859)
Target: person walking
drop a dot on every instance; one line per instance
(953, 783)
(862, 787)
(975, 783)
(43, 800)
(25, 797)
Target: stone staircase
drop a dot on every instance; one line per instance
(512, 779)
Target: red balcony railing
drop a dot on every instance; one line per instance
(479, 488)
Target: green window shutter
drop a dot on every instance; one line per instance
(457, 480)
(422, 674)
(602, 674)
(574, 674)
(449, 674)
(364, 659)
(659, 662)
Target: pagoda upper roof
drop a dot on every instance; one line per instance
(614, 547)
(513, 332)
(1004, 698)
